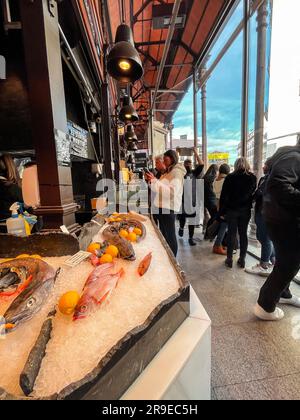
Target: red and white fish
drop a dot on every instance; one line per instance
(145, 264)
(98, 287)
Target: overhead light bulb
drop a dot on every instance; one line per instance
(128, 116)
(124, 65)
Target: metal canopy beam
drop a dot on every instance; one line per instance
(143, 7)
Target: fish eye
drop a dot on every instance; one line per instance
(83, 308)
(31, 302)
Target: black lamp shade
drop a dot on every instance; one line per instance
(128, 112)
(132, 147)
(124, 62)
(130, 135)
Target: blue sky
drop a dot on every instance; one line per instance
(224, 94)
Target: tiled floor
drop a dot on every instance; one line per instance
(250, 359)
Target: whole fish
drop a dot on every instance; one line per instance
(98, 287)
(145, 264)
(33, 297)
(16, 275)
(111, 235)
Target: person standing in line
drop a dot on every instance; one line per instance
(189, 199)
(218, 185)
(210, 199)
(267, 261)
(168, 197)
(281, 211)
(235, 205)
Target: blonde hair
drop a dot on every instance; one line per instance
(11, 171)
(242, 165)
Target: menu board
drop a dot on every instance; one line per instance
(78, 140)
(62, 142)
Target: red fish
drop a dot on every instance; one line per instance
(98, 287)
(145, 264)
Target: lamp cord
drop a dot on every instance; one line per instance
(122, 8)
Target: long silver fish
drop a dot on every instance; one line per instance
(32, 299)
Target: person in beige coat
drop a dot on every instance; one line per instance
(168, 191)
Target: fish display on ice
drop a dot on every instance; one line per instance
(98, 287)
(145, 264)
(111, 235)
(40, 279)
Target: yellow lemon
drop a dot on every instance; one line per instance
(124, 234)
(68, 302)
(137, 231)
(132, 237)
(106, 259)
(112, 250)
(92, 248)
(36, 256)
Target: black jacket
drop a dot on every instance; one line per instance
(9, 194)
(260, 193)
(237, 193)
(282, 198)
(210, 198)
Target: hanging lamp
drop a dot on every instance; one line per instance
(130, 135)
(123, 62)
(128, 112)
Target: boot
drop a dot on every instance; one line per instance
(181, 232)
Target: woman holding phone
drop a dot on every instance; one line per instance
(168, 191)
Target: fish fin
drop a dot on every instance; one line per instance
(103, 298)
(25, 284)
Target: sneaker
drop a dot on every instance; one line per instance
(181, 233)
(293, 301)
(297, 279)
(259, 270)
(192, 242)
(260, 313)
(219, 250)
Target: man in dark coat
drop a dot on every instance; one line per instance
(282, 215)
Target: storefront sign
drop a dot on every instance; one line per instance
(218, 157)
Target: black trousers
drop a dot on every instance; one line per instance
(182, 222)
(286, 241)
(166, 224)
(238, 222)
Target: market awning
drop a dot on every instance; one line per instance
(198, 22)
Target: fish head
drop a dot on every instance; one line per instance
(11, 277)
(84, 307)
(27, 304)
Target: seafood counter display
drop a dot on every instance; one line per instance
(66, 332)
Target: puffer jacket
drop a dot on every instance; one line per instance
(282, 194)
(169, 189)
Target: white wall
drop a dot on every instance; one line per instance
(284, 106)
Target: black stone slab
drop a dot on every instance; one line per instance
(123, 364)
(46, 245)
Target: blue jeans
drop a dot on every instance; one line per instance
(221, 234)
(267, 248)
